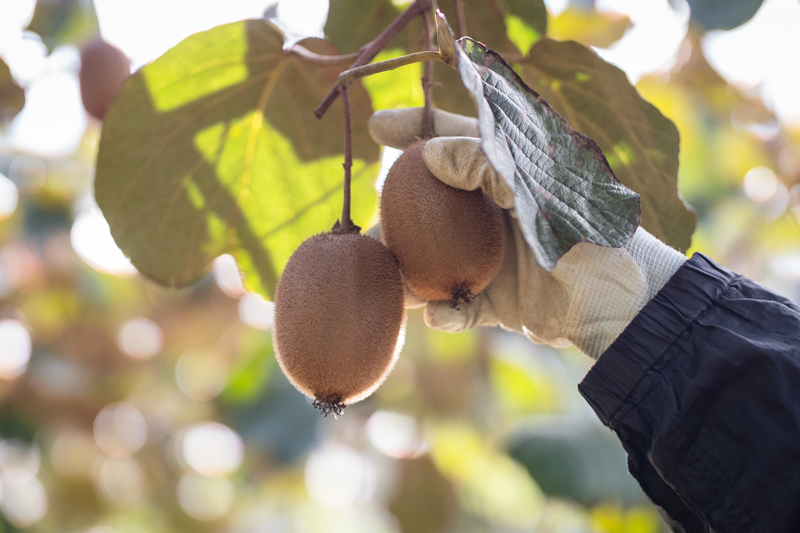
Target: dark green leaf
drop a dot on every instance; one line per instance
(723, 14)
(214, 148)
(353, 23)
(12, 97)
(532, 12)
(565, 191)
(640, 143)
(576, 460)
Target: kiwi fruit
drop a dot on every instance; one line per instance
(449, 242)
(339, 318)
(104, 68)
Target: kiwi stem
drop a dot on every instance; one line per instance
(349, 76)
(319, 59)
(346, 223)
(372, 49)
(427, 81)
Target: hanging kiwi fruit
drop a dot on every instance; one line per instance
(449, 242)
(339, 315)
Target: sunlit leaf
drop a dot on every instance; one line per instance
(589, 27)
(565, 191)
(353, 23)
(12, 97)
(641, 144)
(214, 148)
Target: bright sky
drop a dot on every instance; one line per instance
(755, 56)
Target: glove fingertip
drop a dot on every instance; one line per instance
(439, 315)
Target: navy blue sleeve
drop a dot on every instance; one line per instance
(703, 390)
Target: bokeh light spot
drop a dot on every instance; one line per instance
(9, 197)
(337, 475)
(395, 435)
(140, 338)
(212, 449)
(15, 349)
(120, 430)
(760, 184)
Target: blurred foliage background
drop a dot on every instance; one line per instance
(126, 407)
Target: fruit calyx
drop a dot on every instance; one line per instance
(342, 229)
(462, 294)
(332, 405)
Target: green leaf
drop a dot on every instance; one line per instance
(640, 143)
(12, 97)
(214, 148)
(353, 23)
(565, 191)
(532, 12)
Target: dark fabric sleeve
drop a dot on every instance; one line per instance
(703, 390)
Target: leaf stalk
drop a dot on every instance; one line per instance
(347, 77)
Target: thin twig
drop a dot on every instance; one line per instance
(319, 59)
(347, 77)
(461, 18)
(427, 81)
(368, 52)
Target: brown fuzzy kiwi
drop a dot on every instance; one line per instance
(449, 242)
(339, 318)
(104, 68)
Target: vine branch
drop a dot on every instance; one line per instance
(461, 18)
(369, 51)
(427, 81)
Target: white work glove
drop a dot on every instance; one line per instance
(593, 292)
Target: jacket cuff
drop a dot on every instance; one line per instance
(650, 336)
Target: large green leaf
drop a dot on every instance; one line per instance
(214, 148)
(12, 97)
(640, 143)
(565, 191)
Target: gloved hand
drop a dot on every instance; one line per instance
(590, 296)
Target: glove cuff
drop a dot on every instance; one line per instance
(657, 260)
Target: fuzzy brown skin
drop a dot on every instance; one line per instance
(104, 68)
(449, 242)
(338, 316)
